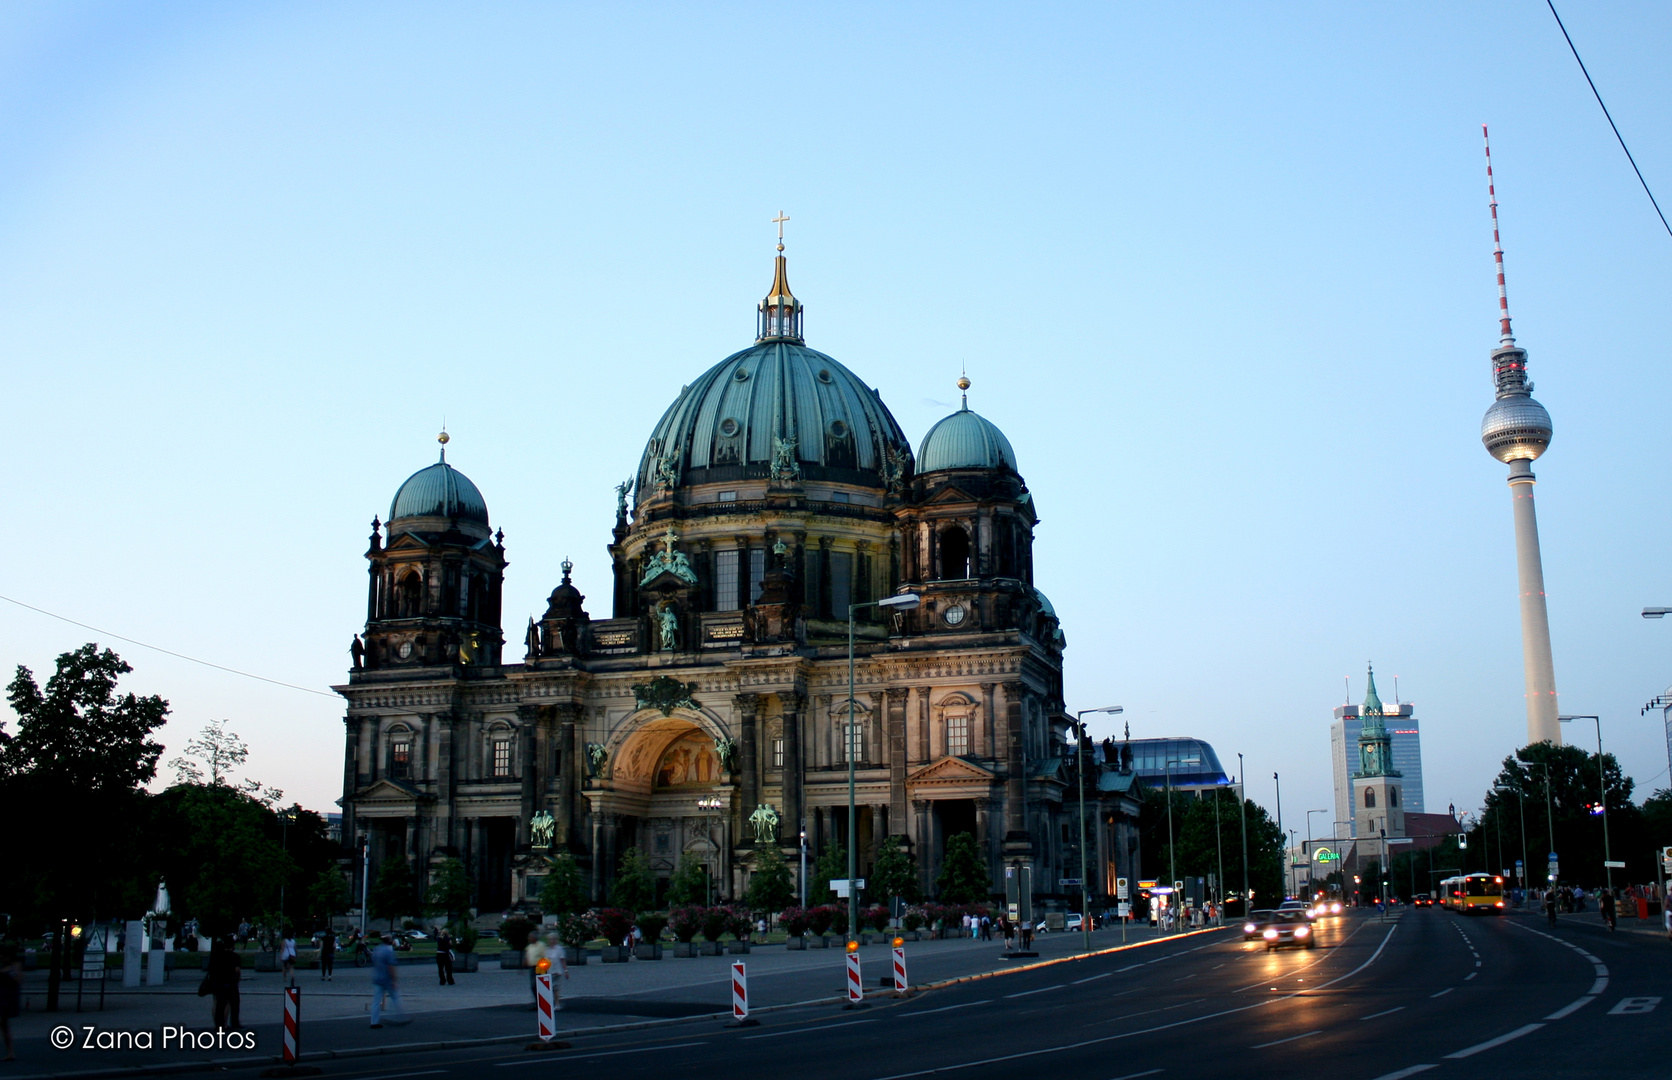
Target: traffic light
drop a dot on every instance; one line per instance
(1593, 809)
(1462, 839)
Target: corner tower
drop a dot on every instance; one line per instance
(1516, 430)
(1378, 809)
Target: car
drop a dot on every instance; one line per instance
(1300, 907)
(1071, 921)
(489, 935)
(1288, 928)
(1422, 899)
(1255, 922)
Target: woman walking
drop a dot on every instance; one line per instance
(225, 971)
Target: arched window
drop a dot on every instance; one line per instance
(476, 598)
(411, 594)
(400, 752)
(1393, 796)
(958, 734)
(1370, 798)
(499, 750)
(954, 554)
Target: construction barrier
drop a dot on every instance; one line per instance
(739, 992)
(543, 1006)
(899, 966)
(292, 1024)
(856, 987)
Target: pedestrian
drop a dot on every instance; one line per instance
(1550, 905)
(386, 982)
(444, 957)
(224, 972)
(1027, 935)
(287, 956)
(559, 969)
(327, 954)
(533, 953)
(1605, 907)
(11, 995)
(986, 928)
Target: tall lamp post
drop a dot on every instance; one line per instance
(1285, 863)
(1085, 881)
(1602, 785)
(286, 816)
(1521, 806)
(710, 805)
(899, 602)
(1172, 858)
(1309, 813)
(1549, 812)
(1242, 808)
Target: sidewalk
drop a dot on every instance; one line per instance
(489, 1004)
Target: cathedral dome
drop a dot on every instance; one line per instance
(965, 440)
(439, 490)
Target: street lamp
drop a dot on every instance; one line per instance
(1602, 783)
(286, 816)
(1085, 881)
(1549, 812)
(804, 866)
(1242, 808)
(1656, 612)
(709, 805)
(899, 602)
(1309, 813)
(1172, 857)
(1285, 864)
(1521, 805)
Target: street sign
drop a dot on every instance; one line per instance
(1122, 889)
(1615, 865)
(1148, 884)
(1067, 882)
(1178, 886)
(1123, 910)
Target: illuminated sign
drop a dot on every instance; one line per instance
(1324, 854)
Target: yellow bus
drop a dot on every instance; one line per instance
(1483, 893)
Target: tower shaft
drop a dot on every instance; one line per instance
(1538, 666)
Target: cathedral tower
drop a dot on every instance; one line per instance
(1378, 809)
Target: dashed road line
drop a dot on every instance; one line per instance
(1290, 1039)
(1041, 990)
(1490, 1044)
(1444, 992)
(1403, 1073)
(609, 1053)
(1384, 1012)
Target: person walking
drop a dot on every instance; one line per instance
(559, 969)
(444, 957)
(287, 956)
(327, 954)
(225, 971)
(1605, 907)
(535, 952)
(1550, 905)
(11, 995)
(386, 982)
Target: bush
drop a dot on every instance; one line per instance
(795, 921)
(651, 925)
(913, 919)
(576, 929)
(685, 921)
(464, 935)
(614, 924)
(739, 923)
(875, 917)
(635, 882)
(563, 891)
(839, 918)
(689, 883)
(514, 932)
(714, 922)
(818, 918)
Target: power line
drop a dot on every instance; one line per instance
(1552, 6)
(169, 652)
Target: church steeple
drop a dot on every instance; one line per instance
(1372, 700)
(779, 315)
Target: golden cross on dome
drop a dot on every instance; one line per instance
(779, 221)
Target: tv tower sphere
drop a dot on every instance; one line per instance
(1516, 427)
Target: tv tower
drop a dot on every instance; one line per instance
(1516, 430)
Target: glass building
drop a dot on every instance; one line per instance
(1195, 766)
(1401, 723)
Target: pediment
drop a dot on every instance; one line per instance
(951, 493)
(389, 791)
(408, 541)
(951, 770)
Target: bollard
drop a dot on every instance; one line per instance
(739, 992)
(543, 1002)
(856, 986)
(900, 965)
(292, 1024)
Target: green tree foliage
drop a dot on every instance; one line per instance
(328, 895)
(689, 883)
(218, 848)
(1201, 841)
(564, 891)
(832, 863)
(895, 873)
(1574, 790)
(963, 878)
(635, 882)
(771, 886)
(1657, 819)
(395, 892)
(449, 890)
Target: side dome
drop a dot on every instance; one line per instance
(731, 422)
(1515, 428)
(439, 491)
(965, 440)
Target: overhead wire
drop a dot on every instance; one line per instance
(167, 652)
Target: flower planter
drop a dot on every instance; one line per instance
(712, 948)
(796, 943)
(867, 939)
(574, 954)
(818, 941)
(648, 950)
(465, 961)
(511, 958)
(737, 947)
(613, 954)
(685, 948)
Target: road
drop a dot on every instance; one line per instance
(1426, 992)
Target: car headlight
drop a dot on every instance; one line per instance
(1271, 933)
(1300, 931)
(1335, 909)
(1249, 928)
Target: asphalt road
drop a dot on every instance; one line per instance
(1427, 992)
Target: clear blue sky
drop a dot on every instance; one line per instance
(1222, 273)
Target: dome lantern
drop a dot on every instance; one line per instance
(778, 316)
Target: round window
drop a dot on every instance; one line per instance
(728, 427)
(838, 429)
(824, 375)
(741, 374)
(954, 615)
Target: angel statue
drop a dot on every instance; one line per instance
(596, 755)
(785, 467)
(622, 490)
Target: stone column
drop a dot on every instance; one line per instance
(528, 765)
(748, 750)
(567, 775)
(986, 838)
(443, 722)
(897, 757)
(992, 750)
(792, 706)
(924, 842)
(366, 763)
(1016, 837)
(595, 825)
(923, 740)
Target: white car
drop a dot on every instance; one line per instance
(1071, 921)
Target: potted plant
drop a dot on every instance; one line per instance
(740, 926)
(913, 922)
(614, 924)
(714, 921)
(818, 921)
(839, 920)
(651, 925)
(685, 922)
(464, 945)
(514, 932)
(574, 930)
(796, 923)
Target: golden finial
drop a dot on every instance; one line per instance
(964, 386)
(443, 439)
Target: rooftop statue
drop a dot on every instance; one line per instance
(668, 561)
(785, 468)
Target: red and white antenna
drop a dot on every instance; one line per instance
(1506, 338)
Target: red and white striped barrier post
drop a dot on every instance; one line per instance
(543, 1004)
(292, 1024)
(739, 992)
(856, 985)
(900, 965)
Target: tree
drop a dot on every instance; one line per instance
(393, 892)
(449, 890)
(328, 895)
(895, 873)
(771, 887)
(563, 892)
(963, 878)
(1564, 783)
(635, 882)
(220, 751)
(1197, 852)
(74, 770)
(832, 864)
(689, 883)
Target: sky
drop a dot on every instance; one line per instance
(1222, 273)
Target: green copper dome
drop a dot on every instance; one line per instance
(965, 440)
(439, 491)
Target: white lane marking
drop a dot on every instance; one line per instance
(948, 1008)
(1041, 990)
(806, 1030)
(1489, 1044)
(1634, 1006)
(603, 1053)
(1216, 967)
(1384, 1012)
(1134, 1076)
(1477, 963)
(437, 1072)
(1470, 975)
(1147, 1031)
(1569, 1009)
(1444, 992)
(1128, 967)
(1292, 1038)
(1092, 978)
(1599, 986)
(1403, 1073)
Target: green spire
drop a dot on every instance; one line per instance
(1372, 703)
